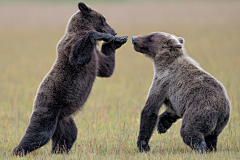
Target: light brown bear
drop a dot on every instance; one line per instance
(186, 89)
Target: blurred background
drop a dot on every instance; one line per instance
(109, 123)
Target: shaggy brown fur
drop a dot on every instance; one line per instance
(188, 92)
(66, 87)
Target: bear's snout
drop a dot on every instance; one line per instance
(133, 39)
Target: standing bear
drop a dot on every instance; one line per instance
(187, 91)
(66, 87)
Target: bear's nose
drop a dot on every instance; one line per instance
(133, 39)
(115, 33)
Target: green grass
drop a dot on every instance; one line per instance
(108, 125)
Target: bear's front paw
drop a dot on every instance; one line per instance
(108, 38)
(18, 152)
(163, 125)
(143, 146)
(119, 41)
(105, 37)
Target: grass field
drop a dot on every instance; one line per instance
(108, 125)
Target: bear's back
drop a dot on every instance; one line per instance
(191, 87)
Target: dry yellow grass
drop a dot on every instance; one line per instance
(109, 123)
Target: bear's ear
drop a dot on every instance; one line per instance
(177, 46)
(181, 40)
(83, 8)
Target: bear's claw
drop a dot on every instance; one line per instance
(118, 42)
(143, 146)
(121, 39)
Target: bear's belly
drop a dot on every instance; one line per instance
(67, 91)
(77, 93)
(76, 97)
(173, 108)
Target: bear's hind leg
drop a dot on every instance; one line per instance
(39, 131)
(195, 125)
(64, 136)
(211, 141)
(194, 139)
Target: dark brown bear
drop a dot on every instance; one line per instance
(66, 87)
(187, 91)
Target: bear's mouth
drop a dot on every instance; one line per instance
(140, 49)
(114, 33)
(103, 31)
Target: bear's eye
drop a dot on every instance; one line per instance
(103, 20)
(149, 39)
(168, 42)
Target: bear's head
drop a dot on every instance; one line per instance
(87, 19)
(157, 43)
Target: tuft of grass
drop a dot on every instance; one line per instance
(108, 125)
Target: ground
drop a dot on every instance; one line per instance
(109, 123)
